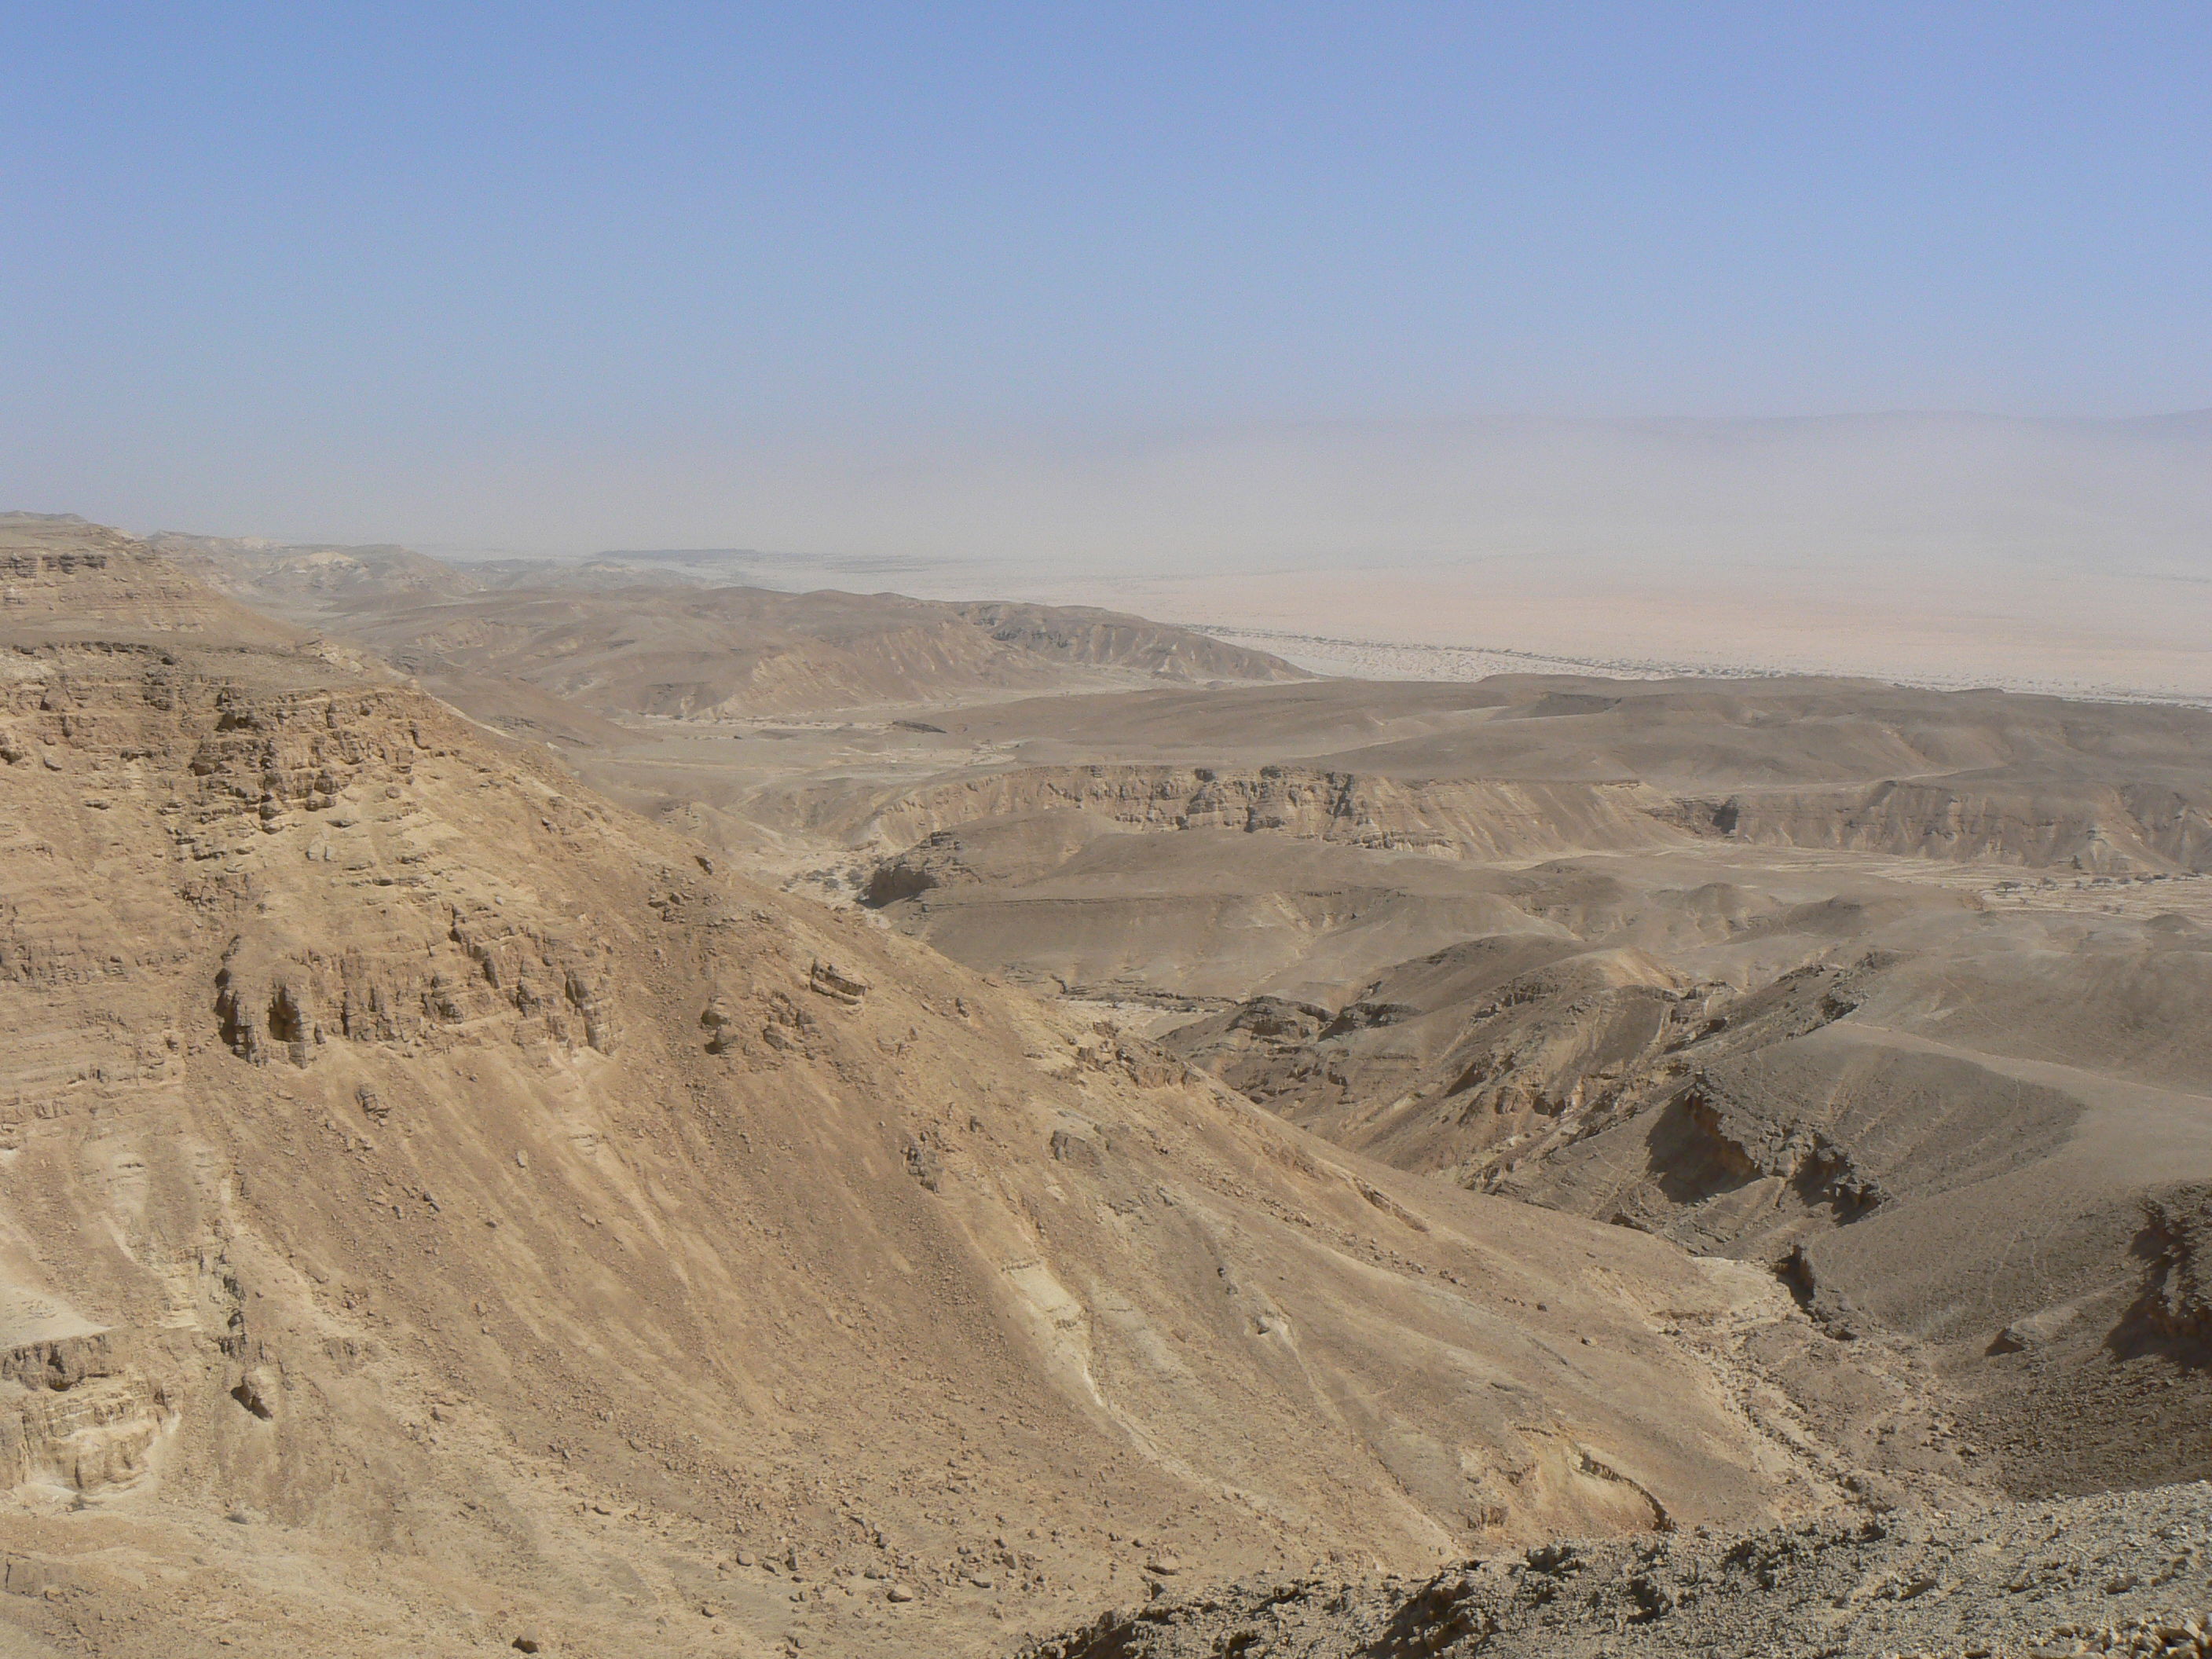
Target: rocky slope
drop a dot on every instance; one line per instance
(1981, 1128)
(1896, 994)
(437, 1209)
(2126, 1574)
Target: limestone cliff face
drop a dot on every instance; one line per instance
(62, 578)
(2096, 826)
(1474, 819)
(2084, 825)
(406, 1149)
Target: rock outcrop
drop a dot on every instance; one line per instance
(2122, 1574)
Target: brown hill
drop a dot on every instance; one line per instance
(718, 653)
(619, 645)
(441, 1211)
(305, 583)
(62, 579)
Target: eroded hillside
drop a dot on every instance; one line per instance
(1895, 993)
(1892, 993)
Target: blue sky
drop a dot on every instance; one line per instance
(252, 250)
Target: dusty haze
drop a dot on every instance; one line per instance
(1947, 550)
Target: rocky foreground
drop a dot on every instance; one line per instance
(2125, 1573)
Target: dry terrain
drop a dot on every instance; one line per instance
(1898, 993)
(635, 1116)
(2123, 1574)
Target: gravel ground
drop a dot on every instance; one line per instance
(2126, 1572)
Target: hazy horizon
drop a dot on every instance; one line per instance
(1200, 309)
(2066, 555)
(1789, 489)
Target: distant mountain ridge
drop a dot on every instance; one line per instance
(617, 642)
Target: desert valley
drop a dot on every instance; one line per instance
(550, 1107)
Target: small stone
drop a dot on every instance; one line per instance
(746, 1558)
(528, 1640)
(898, 1593)
(1166, 1562)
